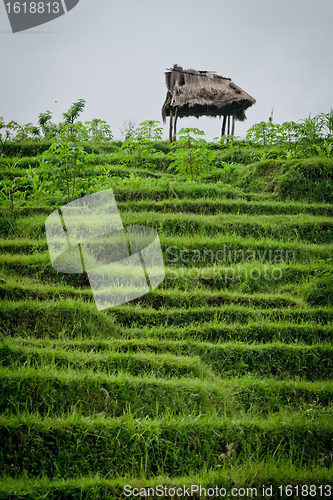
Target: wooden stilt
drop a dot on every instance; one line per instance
(228, 128)
(233, 125)
(170, 126)
(223, 125)
(175, 126)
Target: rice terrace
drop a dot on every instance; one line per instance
(218, 382)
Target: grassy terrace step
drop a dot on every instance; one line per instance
(255, 474)
(231, 250)
(252, 332)
(52, 393)
(72, 319)
(27, 211)
(158, 189)
(263, 331)
(203, 205)
(63, 318)
(22, 246)
(211, 206)
(12, 290)
(114, 170)
(160, 365)
(77, 446)
(307, 228)
(127, 314)
(243, 277)
(176, 358)
(195, 298)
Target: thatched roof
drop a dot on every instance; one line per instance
(198, 93)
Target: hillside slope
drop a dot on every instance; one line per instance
(220, 377)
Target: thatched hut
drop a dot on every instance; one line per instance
(198, 93)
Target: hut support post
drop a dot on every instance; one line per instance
(170, 127)
(175, 127)
(228, 128)
(233, 125)
(223, 125)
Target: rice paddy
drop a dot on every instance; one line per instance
(219, 377)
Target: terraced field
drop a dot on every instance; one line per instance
(220, 377)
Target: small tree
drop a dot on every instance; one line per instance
(11, 189)
(77, 130)
(149, 130)
(63, 164)
(11, 133)
(190, 153)
(74, 111)
(129, 128)
(136, 147)
(98, 130)
(73, 132)
(48, 128)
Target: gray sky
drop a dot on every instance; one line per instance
(114, 53)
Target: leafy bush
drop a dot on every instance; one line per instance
(305, 134)
(190, 155)
(63, 165)
(139, 144)
(98, 130)
(12, 189)
(11, 133)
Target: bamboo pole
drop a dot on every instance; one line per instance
(223, 125)
(170, 126)
(228, 128)
(233, 125)
(175, 126)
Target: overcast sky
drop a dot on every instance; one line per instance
(114, 53)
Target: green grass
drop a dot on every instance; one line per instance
(58, 392)
(221, 376)
(178, 359)
(262, 473)
(163, 446)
